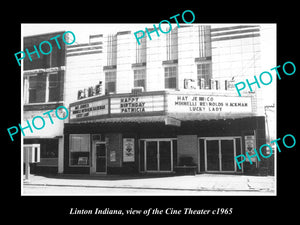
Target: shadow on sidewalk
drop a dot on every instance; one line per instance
(129, 176)
(108, 177)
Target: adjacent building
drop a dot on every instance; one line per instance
(43, 90)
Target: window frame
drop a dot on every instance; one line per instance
(27, 88)
(106, 82)
(206, 76)
(30, 88)
(143, 76)
(170, 77)
(57, 86)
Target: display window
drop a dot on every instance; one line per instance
(79, 150)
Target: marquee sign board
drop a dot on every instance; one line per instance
(208, 104)
(137, 104)
(96, 108)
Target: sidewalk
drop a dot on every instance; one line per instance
(200, 182)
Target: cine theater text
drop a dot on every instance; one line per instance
(291, 137)
(14, 129)
(142, 33)
(151, 211)
(267, 77)
(23, 54)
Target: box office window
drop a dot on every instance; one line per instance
(79, 150)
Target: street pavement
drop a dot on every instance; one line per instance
(200, 184)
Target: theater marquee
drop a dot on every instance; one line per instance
(157, 102)
(208, 104)
(138, 104)
(97, 108)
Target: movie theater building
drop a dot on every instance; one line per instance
(160, 109)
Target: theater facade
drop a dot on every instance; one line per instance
(165, 106)
(169, 131)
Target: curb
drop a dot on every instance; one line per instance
(149, 188)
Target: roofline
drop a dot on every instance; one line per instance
(44, 34)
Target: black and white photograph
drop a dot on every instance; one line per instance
(145, 111)
(171, 108)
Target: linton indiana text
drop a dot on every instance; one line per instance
(106, 211)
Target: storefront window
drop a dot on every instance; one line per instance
(79, 149)
(49, 148)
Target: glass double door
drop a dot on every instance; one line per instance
(220, 155)
(158, 156)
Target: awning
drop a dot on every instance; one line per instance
(176, 116)
(137, 119)
(42, 137)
